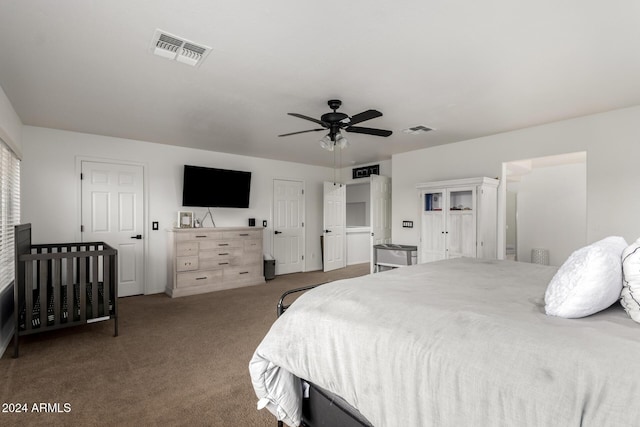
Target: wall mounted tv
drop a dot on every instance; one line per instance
(215, 188)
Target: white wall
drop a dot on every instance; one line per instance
(10, 125)
(612, 143)
(50, 188)
(552, 211)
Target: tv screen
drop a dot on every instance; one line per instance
(215, 188)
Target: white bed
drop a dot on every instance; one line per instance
(452, 343)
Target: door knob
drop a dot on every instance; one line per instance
(137, 236)
(327, 231)
(277, 232)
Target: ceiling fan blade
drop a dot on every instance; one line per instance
(300, 116)
(365, 115)
(302, 131)
(368, 131)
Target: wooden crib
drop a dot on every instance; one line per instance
(61, 285)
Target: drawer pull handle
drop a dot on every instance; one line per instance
(223, 263)
(200, 237)
(244, 272)
(201, 278)
(244, 234)
(223, 253)
(223, 244)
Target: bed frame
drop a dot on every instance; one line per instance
(61, 285)
(321, 407)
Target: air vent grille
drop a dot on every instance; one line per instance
(176, 48)
(417, 130)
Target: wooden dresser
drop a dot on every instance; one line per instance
(211, 259)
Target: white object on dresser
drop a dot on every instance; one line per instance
(458, 218)
(212, 259)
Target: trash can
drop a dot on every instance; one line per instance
(269, 267)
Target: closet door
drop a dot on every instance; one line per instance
(461, 222)
(433, 239)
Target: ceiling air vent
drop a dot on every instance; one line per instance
(179, 49)
(417, 130)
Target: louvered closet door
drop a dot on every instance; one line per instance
(112, 212)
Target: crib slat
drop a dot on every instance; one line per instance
(55, 281)
(44, 302)
(71, 299)
(28, 295)
(82, 273)
(94, 288)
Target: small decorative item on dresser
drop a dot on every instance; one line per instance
(185, 219)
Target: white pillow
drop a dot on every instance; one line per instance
(631, 280)
(589, 281)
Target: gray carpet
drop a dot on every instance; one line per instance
(180, 361)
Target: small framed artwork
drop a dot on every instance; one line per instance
(185, 219)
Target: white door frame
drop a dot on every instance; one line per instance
(145, 204)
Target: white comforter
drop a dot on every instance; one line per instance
(461, 342)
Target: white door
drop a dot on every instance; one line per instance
(112, 212)
(335, 215)
(461, 222)
(288, 226)
(433, 228)
(380, 212)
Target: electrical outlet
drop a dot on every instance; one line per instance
(407, 224)
(264, 223)
(154, 225)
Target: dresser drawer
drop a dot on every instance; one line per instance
(187, 248)
(186, 263)
(198, 235)
(220, 253)
(242, 272)
(206, 245)
(221, 262)
(242, 234)
(198, 278)
(252, 246)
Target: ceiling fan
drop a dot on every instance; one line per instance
(336, 122)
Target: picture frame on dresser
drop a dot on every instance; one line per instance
(185, 219)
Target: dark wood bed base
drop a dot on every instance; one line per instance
(323, 408)
(62, 285)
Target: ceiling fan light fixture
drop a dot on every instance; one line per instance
(327, 143)
(341, 141)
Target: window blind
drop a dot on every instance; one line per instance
(10, 211)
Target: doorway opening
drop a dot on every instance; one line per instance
(545, 207)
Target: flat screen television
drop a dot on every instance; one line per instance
(215, 188)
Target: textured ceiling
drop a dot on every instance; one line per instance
(465, 68)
